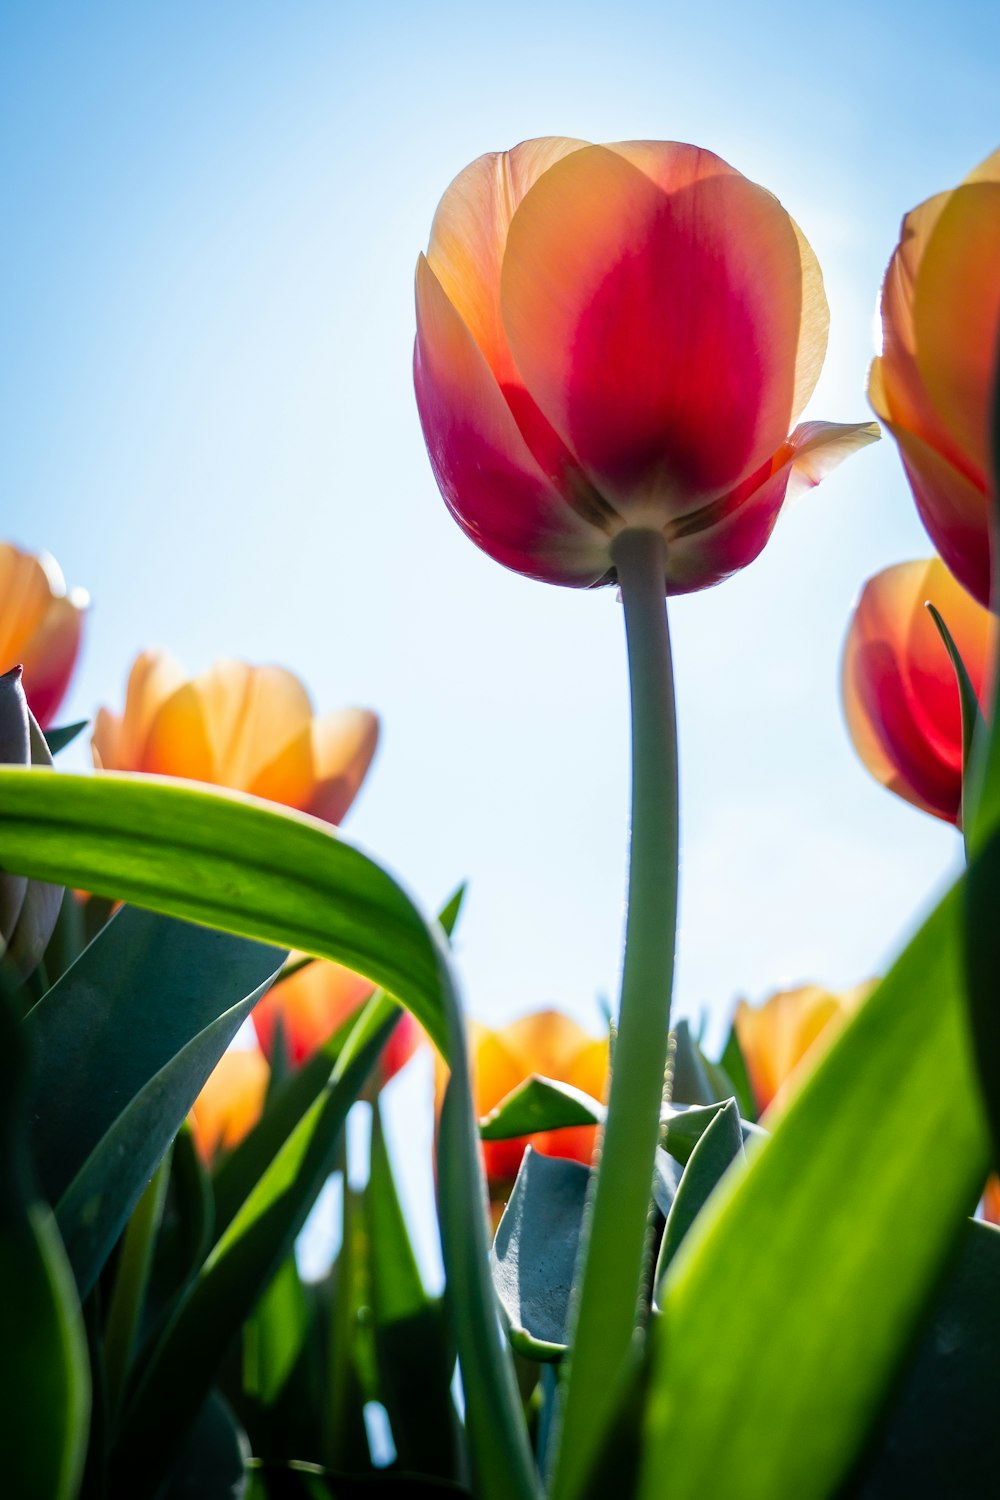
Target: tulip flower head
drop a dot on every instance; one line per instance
(248, 728)
(614, 337)
(933, 382)
(901, 699)
(41, 624)
(781, 1036)
(231, 1102)
(313, 1003)
(551, 1045)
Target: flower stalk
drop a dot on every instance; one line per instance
(616, 1248)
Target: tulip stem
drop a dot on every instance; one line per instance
(616, 1252)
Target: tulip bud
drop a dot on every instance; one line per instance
(28, 908)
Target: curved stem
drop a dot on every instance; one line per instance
(614, 1260)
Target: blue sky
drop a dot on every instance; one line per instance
(210, 219)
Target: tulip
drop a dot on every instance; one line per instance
(248, 728)
(933, 382)
(29, 909)
(546, 1043)
(231, 1102)
(613, 338)
(901, 698)
(778, 1037)
(312, 1003)
(40, 627)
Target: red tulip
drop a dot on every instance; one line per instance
(933, 382)
(901, 699)
(311, 1004)
(40, 627)
(613, 337)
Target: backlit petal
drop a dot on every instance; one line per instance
(658, 330)
(251, 714)
(344, 744)
(310, 1006)
(231, 1102)
(50, 654)
(954, 510)
(491, 482)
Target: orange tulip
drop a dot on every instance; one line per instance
(547, 1043)
(777, 1037)
(231, 1102)
(311, 1004)
(933, 382)
(991, 1200)
(619, 336)
(901, 699)
(248, 728)
(40, 627)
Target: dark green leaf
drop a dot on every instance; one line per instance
(666, 1180)
(690, 1081)
(938, 1436)
(720, 1145)
(212, 1461)
(145, 987)
(734, 1063)
(416, 1356)
(59, 737)
(540, 1104)
(812, 1269)
(305, 1481)
(685, 1124)
(535, 1250)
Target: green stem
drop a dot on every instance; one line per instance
(130, 1285)
(617, 1249)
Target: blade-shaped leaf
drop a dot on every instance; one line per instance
(144, 988)
(685, 1124)
(535, 1252)
(247, 867)
(540, 1104)
(720, 1145)
(59, 736)
(886, 1131)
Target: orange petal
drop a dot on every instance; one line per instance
(310, 1006)
(251, 713)
(491, 480)
(657, 330)
(469, 234)
(231, 1102)
(776, 1037)
(178, 741)
(343, 745)
(49, 656)
(26, 587)
(956, 312)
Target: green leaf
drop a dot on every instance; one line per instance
(416, 1356)
(212, 1461)
(734, 1063)
(540, 1104)
(690, 1080)
(535, 1252)
(685, 1124)
(240, 1266)
(305, 1481)
(141, 992)
(938, 1436)
(719, 1146)
(44, 1367)
(58, 738)
(855, 1202)
(250, 868)
(95, 1206)
(274, 1334)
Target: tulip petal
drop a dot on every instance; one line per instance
(491, 482)
(231, 1102)
(251, 712)
(178, 742)
(470, 231)
(26, 587)
(955, 511)
(657, 330)
(344, 744)
(49, 656)
(709, 546)
(956, 311)
(310, 1005)
(901, 700)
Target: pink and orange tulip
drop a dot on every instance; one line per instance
(311, 1004)
(613, 337)
(248, 728)
(547, 1043)
(231, 1102)
(900, 696)
(778, 1038)
(933, 382)
(41, 624)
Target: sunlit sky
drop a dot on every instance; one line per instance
(211, 215)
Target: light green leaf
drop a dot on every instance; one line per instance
(540, 1104)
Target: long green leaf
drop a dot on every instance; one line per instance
(772, 1391)
(143, 989)
(250, 868)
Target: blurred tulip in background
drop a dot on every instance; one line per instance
(900, 694)
(933, 382)
(41, 624)
(311, 1004)
(613, 337)
(777, 1037)
(231, 1102)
